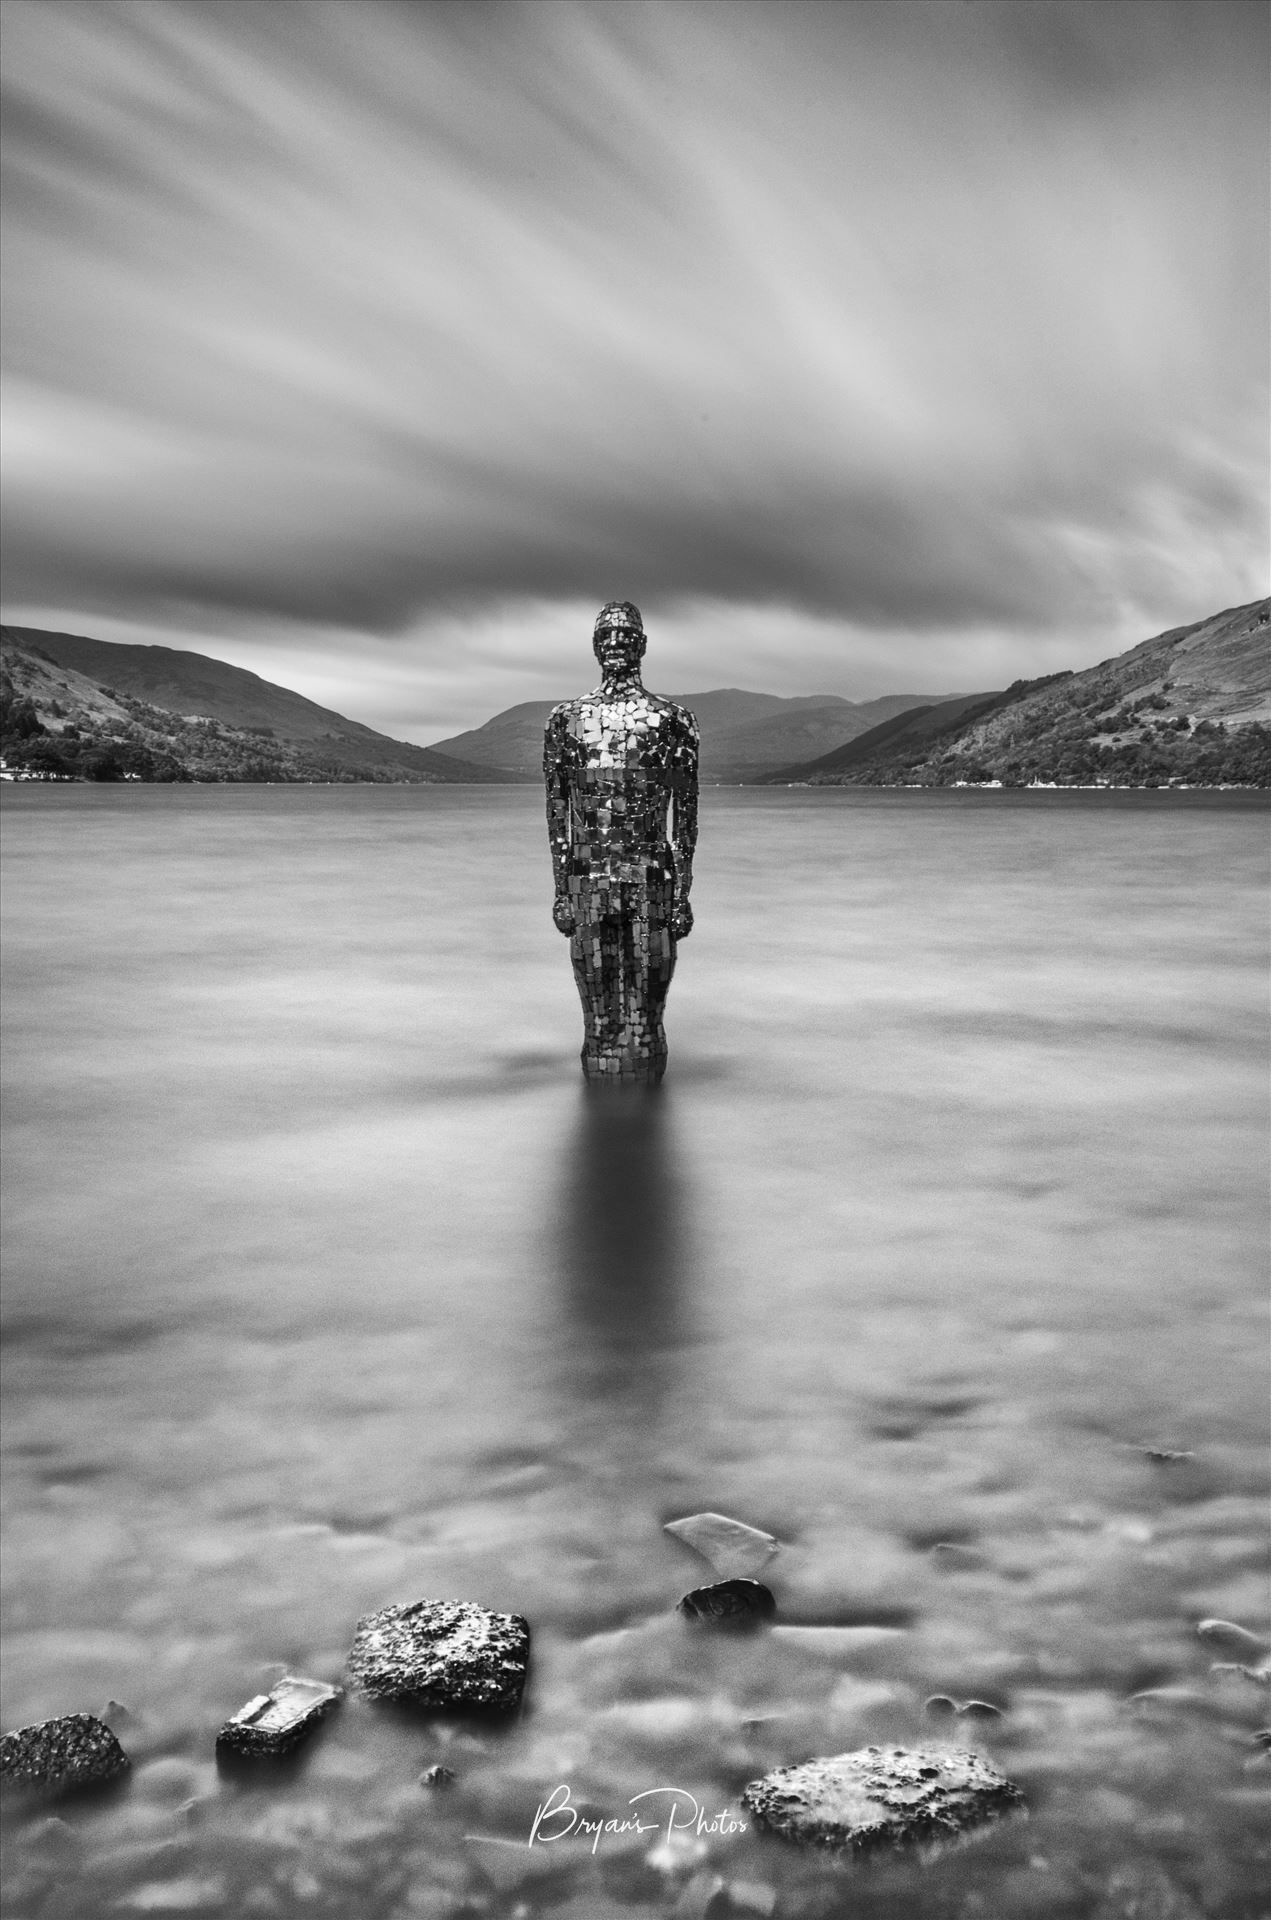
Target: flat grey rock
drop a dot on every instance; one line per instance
(730, 1545)
(442, 1653)
(879, 1797)
(277, 1721)
(76, 1750)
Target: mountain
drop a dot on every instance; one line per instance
(1189, 707)
(99, 709)
(904, 737)
(819, 723)
(743, 734)
(511, 743)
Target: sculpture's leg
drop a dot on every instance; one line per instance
(624, 956)
(660, 966)
(593, 949)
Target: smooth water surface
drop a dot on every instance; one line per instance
(328, 1285)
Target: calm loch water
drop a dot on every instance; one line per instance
(329, 1285)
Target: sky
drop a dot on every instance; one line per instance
(869, 346)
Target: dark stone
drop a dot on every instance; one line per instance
(76, 1750)
(279, 1720)
(436, 1777)
(880, 1797)
(729, 1603)
(442, 1653)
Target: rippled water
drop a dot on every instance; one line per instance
(328, 1285)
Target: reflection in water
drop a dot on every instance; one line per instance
(621, 1234)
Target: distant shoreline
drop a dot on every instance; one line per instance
(19, 777)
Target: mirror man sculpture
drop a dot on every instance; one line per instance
(617, 763)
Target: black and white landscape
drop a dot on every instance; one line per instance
(432, 1491)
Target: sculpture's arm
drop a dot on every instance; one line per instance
(556, 780)
(684, 823)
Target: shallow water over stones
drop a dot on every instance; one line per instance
(938, 1260)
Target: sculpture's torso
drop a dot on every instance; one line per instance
(621, 757)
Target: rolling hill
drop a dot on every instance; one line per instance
(1191, 706)
(743, 734)
(1188, 707)
(81, 706)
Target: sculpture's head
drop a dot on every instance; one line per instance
(619, 640)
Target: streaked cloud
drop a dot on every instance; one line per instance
(867, 347)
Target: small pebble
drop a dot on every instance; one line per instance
(1186, 1699)
(943, 1706)
(729, 1603)
(956, 1558)
(1237, 1639)
(436, 1777)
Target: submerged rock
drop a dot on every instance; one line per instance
(729, 1603)
(879, 1797)
(76, 1750)
(442, 1653)
(730, 1545)
(189, 1894)
(1261, 1676)
(277, 1721)
(752, 1896)
(954, 1556)
(1236, 1639)
(944, 1706)
(1142, 1890)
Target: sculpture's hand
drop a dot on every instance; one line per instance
(563, 914)
(681, 920)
